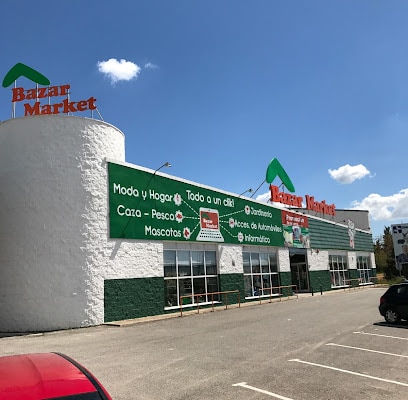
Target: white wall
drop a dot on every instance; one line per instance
(125, 259)
(230, 259)
(318, 260)
(284, 260)
(53, 220)
(372, 260)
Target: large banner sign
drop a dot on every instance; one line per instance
(145, 205)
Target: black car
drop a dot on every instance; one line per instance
(394, 303)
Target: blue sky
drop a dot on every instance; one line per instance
(220, 88)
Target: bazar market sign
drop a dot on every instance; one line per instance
(297, 201)
(64, 107)
(274, 170)
(35, 96)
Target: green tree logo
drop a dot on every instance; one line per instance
(23, 70)
(275, 169)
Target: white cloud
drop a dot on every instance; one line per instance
(119, 70)
(263, 198)
(149, 65)
(349, 173)
(386, 208)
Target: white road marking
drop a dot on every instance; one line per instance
(277, 396)
(351, 372)
(376, 334)
(371, 351)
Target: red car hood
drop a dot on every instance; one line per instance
(40, 376)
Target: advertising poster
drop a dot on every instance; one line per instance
(400, 242)
(144, 205)
(295, 230)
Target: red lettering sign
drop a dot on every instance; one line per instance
(296, 201)
(65, 107)
(285, 198)
(320, 206)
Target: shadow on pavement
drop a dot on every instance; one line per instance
(401, 325)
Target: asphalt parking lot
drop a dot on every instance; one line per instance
(335, 346)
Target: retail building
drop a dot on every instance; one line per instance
(87, 238)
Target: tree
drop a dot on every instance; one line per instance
(384, 254)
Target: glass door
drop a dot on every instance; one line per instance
(300, 276)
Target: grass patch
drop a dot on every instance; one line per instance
(392, 281)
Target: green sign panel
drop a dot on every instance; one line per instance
(23, 70)
(144, 205)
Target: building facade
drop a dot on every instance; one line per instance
(87, 238)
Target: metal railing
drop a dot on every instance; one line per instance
(290, 287)
(361, 283)
(212, 294)
(350, 284)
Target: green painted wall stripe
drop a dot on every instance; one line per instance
(133, 298)
(320, 280)
(229, 282)
(285, 279)
(142, 297)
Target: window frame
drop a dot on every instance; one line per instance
(339, 270)
(193, 272)
(261, 273)
(364, 269)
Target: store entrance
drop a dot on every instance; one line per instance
(298, 269)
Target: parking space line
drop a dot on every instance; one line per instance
(277, 396)
(377, 334)
(369, 350)
(350, 372)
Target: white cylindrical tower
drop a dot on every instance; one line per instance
(53, 220)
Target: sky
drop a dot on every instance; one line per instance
(220, 88)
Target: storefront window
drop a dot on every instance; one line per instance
(364, 269)
(183, 263)
(170, 289)
(192, 274)
(170, 263)
(338, 270)
(197, 259)
(260, 274)
(246, 259)
(210, 263)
